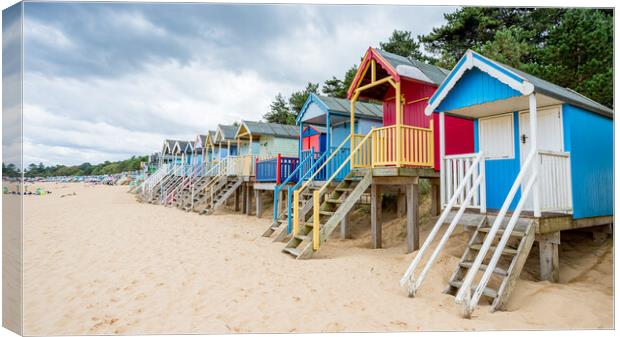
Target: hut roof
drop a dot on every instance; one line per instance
(267, 129)
(225, 132)
(342, 106)
(516, 79)
(410, 67)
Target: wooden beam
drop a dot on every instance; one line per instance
(387, 79)
(375, 216)
(435, 197)
(259, 203)
(549, 257)
(237, 208)
(413, 229)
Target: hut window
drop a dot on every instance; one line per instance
(497, 137)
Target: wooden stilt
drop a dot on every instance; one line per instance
(344, 227)
(237, 200)
(375, 215)
(259, 203)
(401, 204)
(435, 197)
(413, 230)
(549, 257)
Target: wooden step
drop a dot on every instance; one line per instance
(501, 232)
(333, 201)
(302, 237)
(330, 213)
(344, 189)
(488, 292)
(483, 267)
(293, 251)
(506, 251)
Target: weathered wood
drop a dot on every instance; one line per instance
(549, 257)
(413, 230)
(516, 266)
(551, 224)
(259, 203)
(345, 233)
(405, 171)
(599, 237)
(394, 181)
(401, 202)
(375, 216)
(237, 200)
(435, 197)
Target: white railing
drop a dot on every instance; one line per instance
(555, 182)
(217, 169)
(464, 295)
(454, 169)
(240, 165)
(157, 176)
(169, 181)
(469, 187)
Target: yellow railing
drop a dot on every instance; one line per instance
(316, 196)
(362, 158)
(416, 146)
(298, 191)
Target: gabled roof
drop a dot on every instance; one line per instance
(180, 146)
(225, 132)
(189, 146)
(168, 146)
(341, 106)
(395, 66)
(516, 79)
(267, 129)
(201, 141)
(412, 68)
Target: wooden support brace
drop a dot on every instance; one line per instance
(375, 216)
(413, 229)
(259, 203)
(549, 256)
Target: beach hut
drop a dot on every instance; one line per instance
(166, 152)
(390, 158)
(224, 141)
(542, 163)
(200, 149)
(332, 115)
(273, 150)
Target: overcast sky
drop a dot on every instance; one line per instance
(107, 81)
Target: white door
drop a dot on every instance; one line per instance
(549, 134)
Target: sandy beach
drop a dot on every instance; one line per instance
(98, 262)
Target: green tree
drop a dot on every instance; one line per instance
(298, 98)
(279, 112)
(402, 43)
(336, 87)
(569, 47)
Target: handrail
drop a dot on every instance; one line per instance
(484, 280)
(317, 194)
(408, 276)
(300, 181)
(284, 183)
(466, 286)
(304, 185)
(208, 175)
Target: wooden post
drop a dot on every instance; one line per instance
(401, 203)
(375, 215)
(244, 189)
(442, 154)
(549, 257)
(435, 197)
(344, 225)
(259, 203)
(237, 200)
(413, 230)
(281, 201)
(534, 147)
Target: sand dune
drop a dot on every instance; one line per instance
(100, 263)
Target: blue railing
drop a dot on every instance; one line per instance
(276, 169)
(266, 169)
(290, 178)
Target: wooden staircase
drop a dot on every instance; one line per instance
(506, 271)
(219, 192)
(334, 207)
(195, 191)
(280, 225)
